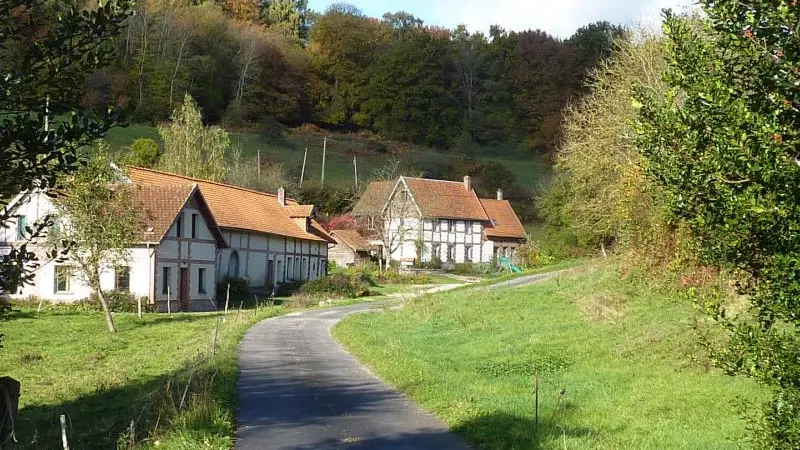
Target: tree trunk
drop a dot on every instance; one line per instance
(106, 309)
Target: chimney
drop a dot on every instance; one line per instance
(467, 183)
(282, 196)
(499, 194)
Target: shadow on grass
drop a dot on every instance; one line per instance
(101, 419)
(506, 431)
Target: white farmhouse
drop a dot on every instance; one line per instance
(425, 219)
(196, 233)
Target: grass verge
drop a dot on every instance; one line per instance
(617, 366)
(159, 371)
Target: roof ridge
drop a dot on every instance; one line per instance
(433, 179)
(186, 177)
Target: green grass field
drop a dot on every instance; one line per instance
(341, 149)
(69, 364)
(620, 354)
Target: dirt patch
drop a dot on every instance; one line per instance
(602, 306)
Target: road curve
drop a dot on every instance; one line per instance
(298, 389)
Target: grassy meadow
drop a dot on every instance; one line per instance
(370, 155)
(69, 364)
(617, 363)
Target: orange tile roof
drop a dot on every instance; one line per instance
(236, 207)
(352, 239)
(300, 210)
(160, 205)
(505, 223)
(373, 198)
(445, 199)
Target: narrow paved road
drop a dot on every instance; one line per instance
(298, 389)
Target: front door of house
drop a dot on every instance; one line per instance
(184, 289)
(270, 273)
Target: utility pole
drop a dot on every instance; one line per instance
(355, 171)
(324, 149)
(303, 170)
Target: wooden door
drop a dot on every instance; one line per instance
(184, 289)
(270, 273)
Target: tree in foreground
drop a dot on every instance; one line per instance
(100, 221)
(723, 142)
(191, 148)
(46, 51)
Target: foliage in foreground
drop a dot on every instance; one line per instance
(722, 142)
(616, 364)
(37, 82)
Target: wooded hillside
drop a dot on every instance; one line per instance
(262, 65)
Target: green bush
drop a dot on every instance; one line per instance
(143, 153)
(343, 284)
(287, 288)
(240, 288)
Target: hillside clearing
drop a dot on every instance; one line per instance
(619, 353)
(527, 171)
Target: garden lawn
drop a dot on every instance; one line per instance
(617, 364)
(69, 364)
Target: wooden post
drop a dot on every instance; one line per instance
(303, 170)
(132, 435)
(139, 305)
(39, 309)
(9, 409)
(355, 171)
(64, 442)
(185, 391)
(324, 150)
(169, 307)
(227, 298)
(536, 401)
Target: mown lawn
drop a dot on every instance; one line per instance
(69, 364)
(615, 362)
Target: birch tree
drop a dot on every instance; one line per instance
(100, 223)
(192, 149)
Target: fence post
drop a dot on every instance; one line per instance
(227, 298)
(64, 442)
(169, 307)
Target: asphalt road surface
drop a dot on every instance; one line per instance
(298, 389)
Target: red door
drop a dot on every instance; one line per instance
(184, 289)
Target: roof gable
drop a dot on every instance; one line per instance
(373, 198)
(238, 208)
(504, 221)
(160, 206)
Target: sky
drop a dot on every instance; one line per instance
(558, 17)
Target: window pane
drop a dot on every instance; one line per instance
(194, 226)
(62, 278)
(123, 279)
(201, 286)
(165, 281)
(22, 223)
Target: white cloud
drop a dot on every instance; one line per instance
(558, 17)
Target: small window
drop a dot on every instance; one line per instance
(165, 280)
(22, 224)
(63, 275)
(194, 226)
(467, 253)
(436, 251)
(179, 226)
(122, 279)
(451, 252)
(290, 268)
(201, 278)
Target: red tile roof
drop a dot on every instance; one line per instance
(236, 207)
(445, 199)
(373, 198)
(300, 210)
(160, 205)
(352, 239)
(505, 223)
